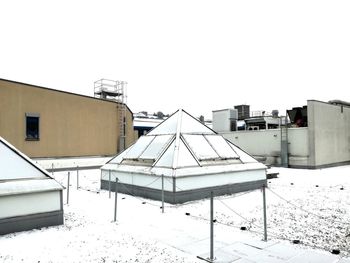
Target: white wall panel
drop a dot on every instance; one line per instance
(143, 180)
(26, 204)
(211, 180)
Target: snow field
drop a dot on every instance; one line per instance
(297, 209)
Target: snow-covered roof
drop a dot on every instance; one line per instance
(142, 122)
(182, 142)
(28, 186)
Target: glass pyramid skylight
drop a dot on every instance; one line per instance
(181, 141)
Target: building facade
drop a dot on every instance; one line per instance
(322, 140)
(43, 122)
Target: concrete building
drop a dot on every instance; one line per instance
(43, 122)
(318, 136)
(144, 123)
(225, 120)
(29, 197)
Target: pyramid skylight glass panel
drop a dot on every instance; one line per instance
(243, 156)
(168, 126)
(221, 146)
(156, 147)
(185, 158)
(119, 158)
(139, 147)
(200, 147)
(167, 158)
(192, 125)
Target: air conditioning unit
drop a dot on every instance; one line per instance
(253, 128)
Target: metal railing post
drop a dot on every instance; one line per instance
(211, 226)
(77, 177)
(109, 183)
(68, 188)
(265, 217)
(162, 193)
(115, 200)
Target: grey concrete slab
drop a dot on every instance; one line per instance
(200, 247)
(310, 256)
(260, 243)
(284, 251)
(256, 254)
(241, 250)
(221, 257)
(243, 260)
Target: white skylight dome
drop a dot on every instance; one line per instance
(190, 156)
(181, 141)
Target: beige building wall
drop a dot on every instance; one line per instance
(69, 124)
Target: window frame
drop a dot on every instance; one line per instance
(32, 115)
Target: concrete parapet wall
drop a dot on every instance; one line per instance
(265, 145)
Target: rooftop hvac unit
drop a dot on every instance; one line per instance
(253, 128)
(233, 114)
(243, 111)
(224, 120)
(275, 113)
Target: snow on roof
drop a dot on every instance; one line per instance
(179, 142)
(28, 186)
(140, 122)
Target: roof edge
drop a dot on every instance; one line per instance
(62, 91)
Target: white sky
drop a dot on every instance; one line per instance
(197, 55)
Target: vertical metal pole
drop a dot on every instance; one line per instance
(264, 208)
(109, 183)
(52, 169)
(162, 193)
(211, 226)
(68, 188)
(115, 200)
(174, 189)
(77, 177)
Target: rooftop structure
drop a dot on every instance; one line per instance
(191, 159)
(29, 197)
(114, 90)
(314, 135)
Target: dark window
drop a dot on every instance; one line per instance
(233, 125)
(32, 127)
